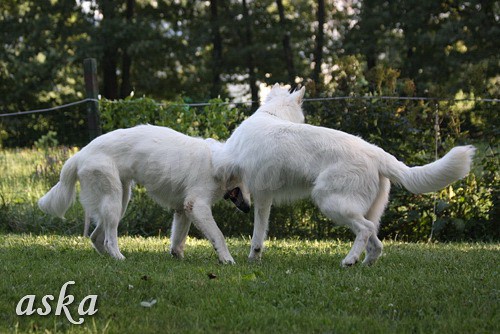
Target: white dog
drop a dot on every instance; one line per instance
(175, 169)
(280, 160)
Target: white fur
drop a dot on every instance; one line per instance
(281, 160)
(175, 169)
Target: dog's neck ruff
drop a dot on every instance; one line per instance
(267, 111)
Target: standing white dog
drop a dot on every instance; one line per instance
(281, 160)
(175, 169)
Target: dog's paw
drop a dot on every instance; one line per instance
(255, 254)
(118, 256)
(177, 254)
(348, 262)
(114, 251)
(369, 261)
(229, 260)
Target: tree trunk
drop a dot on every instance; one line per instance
(110, 79)
(287, 49)
(318, 52)
(126, 86)
(217, 50)
(254, 90)
(110, 53)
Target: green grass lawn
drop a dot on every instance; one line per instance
(299, 287)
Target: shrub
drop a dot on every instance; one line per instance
(466, 210)
(215, 120)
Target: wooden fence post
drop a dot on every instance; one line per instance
(92, 90)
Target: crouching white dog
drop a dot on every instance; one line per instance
(280, 159)
(175, 169)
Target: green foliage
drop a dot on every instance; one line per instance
(26, 175)
(467, 210)
(406, 129)
(46, 141)
(443, 46)
(215, 120)
(3, 135)
(163, 49)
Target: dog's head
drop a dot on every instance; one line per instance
(285, 105)
(238, 193)
(238, 198)
(229, 176)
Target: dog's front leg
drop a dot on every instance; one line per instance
(262, 209)
(201, 215)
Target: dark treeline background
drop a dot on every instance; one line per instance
(200, 49)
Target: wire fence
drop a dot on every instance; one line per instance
(37, 111)
(74, 127)
(236, 103)
(358, 115)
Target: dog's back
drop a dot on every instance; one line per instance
(160, 159)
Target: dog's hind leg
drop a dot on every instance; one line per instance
(180, 230)
(97, 238)
(347, 212)
(375, 246)
(262, 209)
(201, 215)
(101, 196)
(109, 217)
(86, 225)
(126, 195)
(364, 229)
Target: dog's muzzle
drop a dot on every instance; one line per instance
(236, 197)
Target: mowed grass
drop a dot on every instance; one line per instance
(298, 287)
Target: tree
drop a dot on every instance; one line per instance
(443, 46)
(39, 60)
(126, 85)
(318, 51)
(40, 67)
(107, 33)
(217, 49)
(249, 56)
(287, 49)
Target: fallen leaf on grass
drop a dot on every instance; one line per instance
(211, 276)
(148, 303)
(249, 277)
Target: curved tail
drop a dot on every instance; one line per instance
(431, 177)
(58, 200)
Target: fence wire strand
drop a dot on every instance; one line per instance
(36, 111)
(235, 103)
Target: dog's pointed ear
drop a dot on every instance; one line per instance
(298, 96)
(273, 92)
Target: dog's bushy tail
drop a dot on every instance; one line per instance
(431, 177)
(58, 200)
